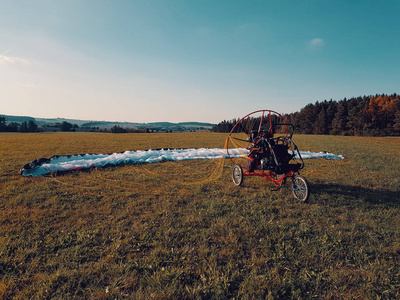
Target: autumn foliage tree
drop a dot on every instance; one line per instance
(377, 115)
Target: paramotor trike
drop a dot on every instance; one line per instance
(265, 141)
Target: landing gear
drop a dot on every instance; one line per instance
(237, 175)
(300, 187)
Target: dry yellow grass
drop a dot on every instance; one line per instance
(162, 231)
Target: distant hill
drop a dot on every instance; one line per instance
(107, 125)
(41, 121)
(18, 119)
(196, 124)
(161, 126)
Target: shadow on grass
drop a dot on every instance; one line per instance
(349, 195)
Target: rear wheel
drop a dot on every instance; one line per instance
(301, 189)
(237, 175)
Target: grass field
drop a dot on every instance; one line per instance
(183, 230)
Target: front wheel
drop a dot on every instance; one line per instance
(301, 189)
(237, 175)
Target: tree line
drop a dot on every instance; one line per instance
(29, 126)
(377, 115)
(119, 129)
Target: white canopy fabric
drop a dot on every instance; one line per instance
(87, 161)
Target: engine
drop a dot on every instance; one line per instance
(260, 161)
(266, 163)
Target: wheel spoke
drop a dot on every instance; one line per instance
(237, 175)
(300, 188)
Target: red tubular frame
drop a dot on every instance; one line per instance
(268, 176)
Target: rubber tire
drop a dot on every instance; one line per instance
(237, 175)
(300, 188)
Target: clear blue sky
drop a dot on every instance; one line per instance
(187, 60)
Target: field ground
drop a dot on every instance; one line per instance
(183, 230)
